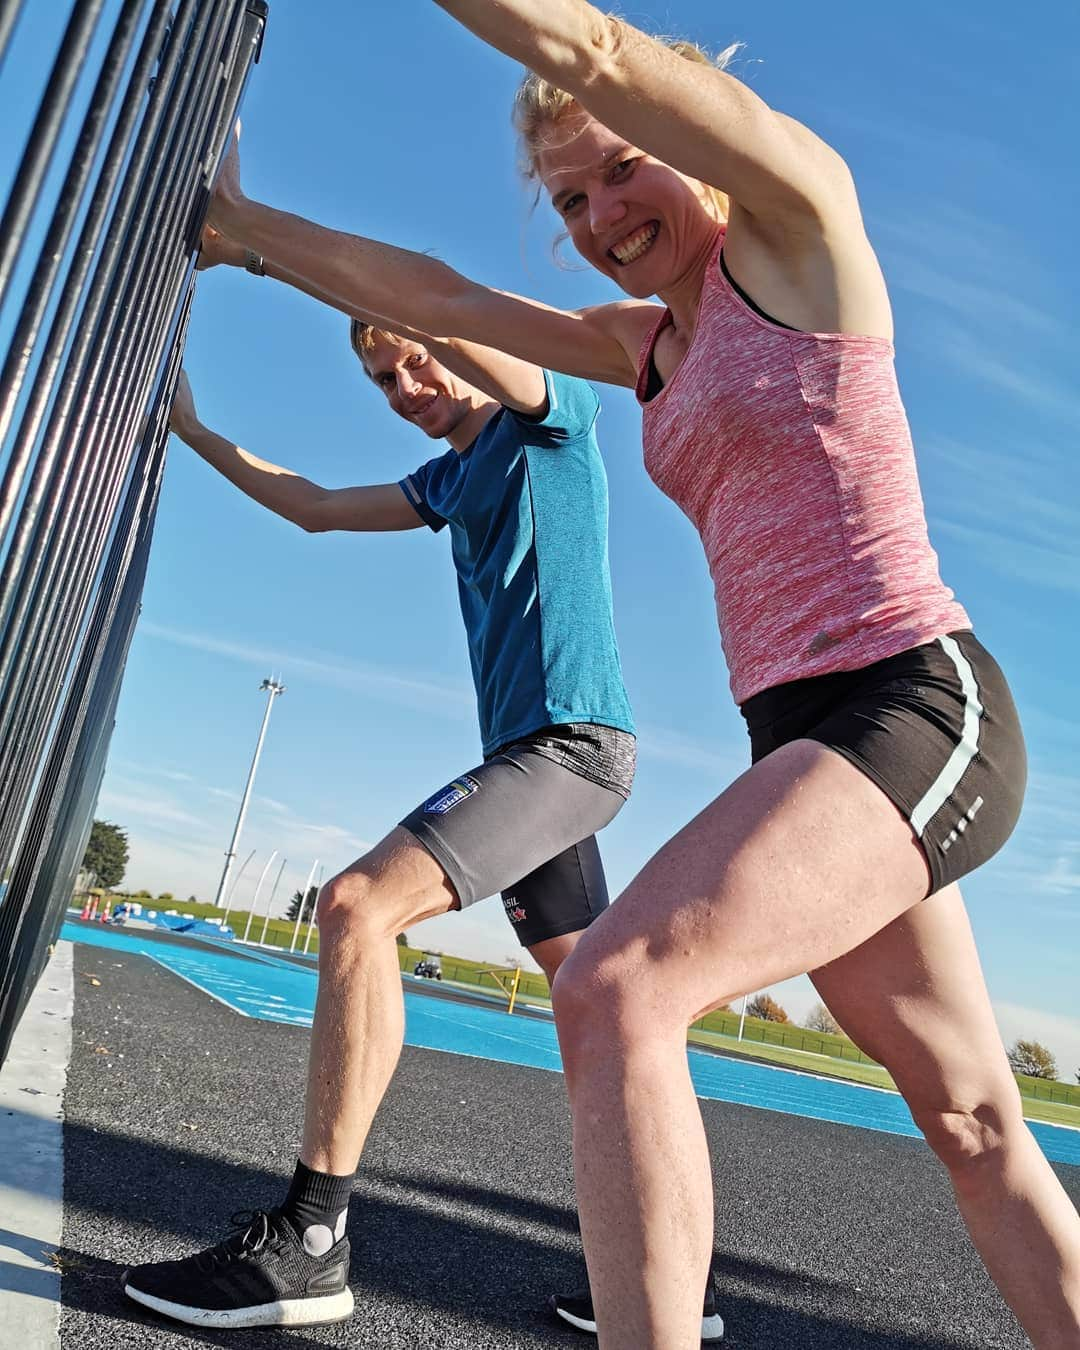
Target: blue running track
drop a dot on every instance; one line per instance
(275, 990)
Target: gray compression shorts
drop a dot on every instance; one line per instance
(523, 824)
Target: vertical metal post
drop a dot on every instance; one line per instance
(255, 897)
(96, 334)
(313, 922)
(273, 688)
(44, 135)
(514, 990)
(270, 902)
(303, 902)
(232, 888)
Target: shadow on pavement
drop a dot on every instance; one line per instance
(466, 1253)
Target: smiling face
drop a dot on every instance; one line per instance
(417, 387)
(629, 215)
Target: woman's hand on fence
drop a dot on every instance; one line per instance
(217, 251)
(228, 194)
(182, 415)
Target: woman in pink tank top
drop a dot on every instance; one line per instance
(887, 759)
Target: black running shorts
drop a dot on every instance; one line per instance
(934, 727)
(523, 824)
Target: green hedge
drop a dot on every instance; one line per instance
(783, 1033)
(1048, 1090)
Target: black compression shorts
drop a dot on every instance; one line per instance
(934, 727)
(523, 823)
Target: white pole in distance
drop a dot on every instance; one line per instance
(270, 902)
(314, 920)
(255, 897)
(303, 902)
(232, 888)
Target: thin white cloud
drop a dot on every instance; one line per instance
(173, 849)
(157, 810)
(432, 694)
(676, 747)
(1005, 374)
(952, 257)
(1042, 565)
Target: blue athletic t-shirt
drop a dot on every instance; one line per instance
(527, 507)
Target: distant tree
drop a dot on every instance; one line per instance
(1033, 1060)
(309, 905)
(819, 1018)
(403, 939)
(166, 895)
(143, 895)
(765, 1006)
(191, 900)
(106, 854)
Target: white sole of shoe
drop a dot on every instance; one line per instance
(712, 1328)
(290, 1312)
(580, 1322)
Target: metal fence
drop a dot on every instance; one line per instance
(97, 244)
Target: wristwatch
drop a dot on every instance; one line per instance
(253, 263)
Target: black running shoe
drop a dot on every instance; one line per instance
(259, 1277)
(577, 1309)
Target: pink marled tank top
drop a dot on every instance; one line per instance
(791, 453)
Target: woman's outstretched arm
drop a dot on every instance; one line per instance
(694, 117)
(399, 288)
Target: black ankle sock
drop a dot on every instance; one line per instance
(316, 1206)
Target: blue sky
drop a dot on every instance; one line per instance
(389, 120)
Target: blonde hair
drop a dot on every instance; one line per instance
(363, 336)
(539, 105)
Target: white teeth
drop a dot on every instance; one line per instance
(631, 249)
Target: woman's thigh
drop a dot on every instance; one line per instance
(914, 998)
(799, 861)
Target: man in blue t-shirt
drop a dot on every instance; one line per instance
(523, 491)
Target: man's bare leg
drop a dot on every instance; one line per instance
(359, 1022)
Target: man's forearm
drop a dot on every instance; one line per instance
(358, 276)
(279, 490)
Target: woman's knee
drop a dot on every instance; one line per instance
(604, 1002)
(971, 1140)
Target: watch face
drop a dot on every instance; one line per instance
(254, 264)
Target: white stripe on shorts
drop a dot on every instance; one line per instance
(944, 785)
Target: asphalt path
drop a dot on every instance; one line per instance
(180, 1112)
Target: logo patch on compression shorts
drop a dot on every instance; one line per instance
(448, 797)
(514, 912)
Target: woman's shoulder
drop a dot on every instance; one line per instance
(630, 323)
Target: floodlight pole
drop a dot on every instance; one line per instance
(742, 1016)
(274, 688)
